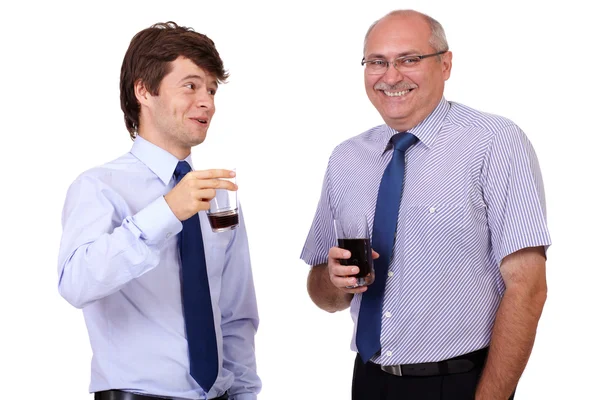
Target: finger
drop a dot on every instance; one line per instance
(203, 205)
(354, 290)
(204, 195)
(343, 270)
(343, 282)
(338, 253)
(212, 174)
(222, 184)
(212, 184)
(375, 254)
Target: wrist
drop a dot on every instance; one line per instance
(169, 201)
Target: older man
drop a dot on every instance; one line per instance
(455, 201)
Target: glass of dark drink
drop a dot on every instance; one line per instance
(353, 235)
(223, 212)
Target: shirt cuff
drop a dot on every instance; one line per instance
(156, 222)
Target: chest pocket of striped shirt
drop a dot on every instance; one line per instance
(432, 230)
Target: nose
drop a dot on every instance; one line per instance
(392, 75)
(205, 99)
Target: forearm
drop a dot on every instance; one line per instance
(239, 317)
(96, 259)
(323, 293)
(512, 340)
(239, 358)
(100, 268)
(239, 325)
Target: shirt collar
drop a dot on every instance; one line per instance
(426, 131)
(158, 160)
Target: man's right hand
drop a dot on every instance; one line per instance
(195, 190)
(341, 276)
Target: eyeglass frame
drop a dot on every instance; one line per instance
(393, 62)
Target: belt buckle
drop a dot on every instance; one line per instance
(392, 369)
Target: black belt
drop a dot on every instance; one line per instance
(456, 365)
(121, 395)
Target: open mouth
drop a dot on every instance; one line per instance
(200, 121)
(397, 94)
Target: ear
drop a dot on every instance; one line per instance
(141, 93)
(447, 64)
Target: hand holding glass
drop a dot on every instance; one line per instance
(353, 235)
(223, 211)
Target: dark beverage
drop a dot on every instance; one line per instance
(224, 220)
(361, 257)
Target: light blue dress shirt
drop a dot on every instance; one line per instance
(119, 262)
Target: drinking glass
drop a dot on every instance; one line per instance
(223, 211)
(353, 235)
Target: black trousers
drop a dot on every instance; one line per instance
(121, 395)
(371, 383)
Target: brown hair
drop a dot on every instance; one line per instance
(148, 59)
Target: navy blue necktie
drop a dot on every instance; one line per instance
(368, 331)
(197, 308)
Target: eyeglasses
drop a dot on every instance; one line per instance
(379, 66)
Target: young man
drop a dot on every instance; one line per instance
(169, 305)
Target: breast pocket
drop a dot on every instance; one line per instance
(434, 230)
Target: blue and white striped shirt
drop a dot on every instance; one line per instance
(473, 194)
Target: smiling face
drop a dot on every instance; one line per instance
(178, 117)
(405, 98)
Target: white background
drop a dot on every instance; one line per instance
(295, 92)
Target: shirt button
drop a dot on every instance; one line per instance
(168, 235)
(432, 210)
(388, 353)
(390, 273)
(388, 314)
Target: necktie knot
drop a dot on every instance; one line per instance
(403, 140)
(181, 170)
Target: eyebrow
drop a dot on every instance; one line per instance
(403, 54)
(200, 78)
(192, 76)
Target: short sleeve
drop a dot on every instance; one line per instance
(513, 192)
(321, 236)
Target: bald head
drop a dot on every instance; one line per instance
(437, 38)
(405, 94)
